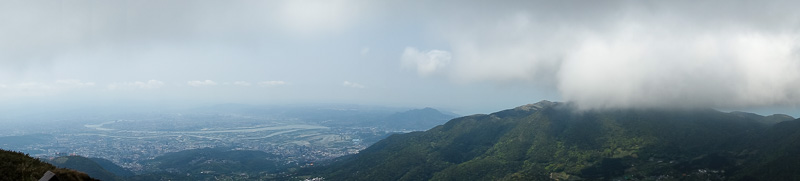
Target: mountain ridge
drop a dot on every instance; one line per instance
(552, 140)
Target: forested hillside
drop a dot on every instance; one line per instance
(550, 140)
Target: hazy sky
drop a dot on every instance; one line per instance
(466, 56)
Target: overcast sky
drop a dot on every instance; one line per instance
(466, 56)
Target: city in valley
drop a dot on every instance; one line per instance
(296, 136)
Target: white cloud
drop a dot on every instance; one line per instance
(34, 86)
(426, 63)
(271, 83)
(199, 83)
(353, 85)
(651, 67)
(614, 53)
(150, 84)
(74, 83)
(642, 60)
(242, 83)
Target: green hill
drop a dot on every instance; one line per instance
(85, 165)
(19, 166)
(112, 167)
(549, 140)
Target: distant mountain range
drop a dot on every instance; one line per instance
(416, 119)
(555, 141)
(343, 115)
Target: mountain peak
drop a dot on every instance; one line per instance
(428, 109)
(537, 106)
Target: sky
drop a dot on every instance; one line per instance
(465, 56)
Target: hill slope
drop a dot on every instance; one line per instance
(85, 165)
(19, 166)
(555, 141)
(113, 168)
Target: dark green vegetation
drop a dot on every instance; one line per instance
(86, 165)
(197, 164)
(212, 164)
(554, 141)
(19, 166)
(113, 168)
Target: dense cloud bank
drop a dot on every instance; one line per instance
(632, 53)
(597, 54)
